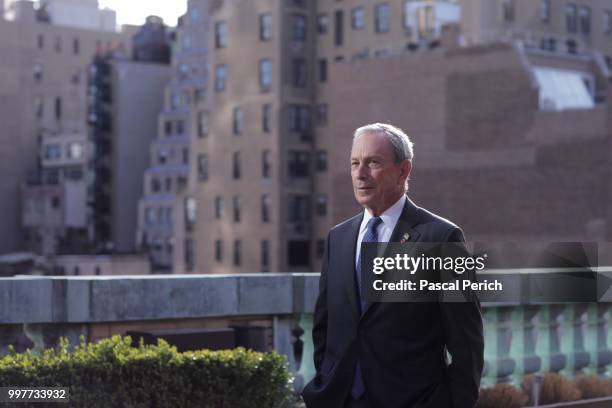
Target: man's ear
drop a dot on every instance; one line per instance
(406, 169)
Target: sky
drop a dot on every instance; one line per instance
(135, 11)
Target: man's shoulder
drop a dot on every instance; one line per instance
(429, 218)
(435, 225)
(346, 225)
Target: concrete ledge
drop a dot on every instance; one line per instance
(80, 299)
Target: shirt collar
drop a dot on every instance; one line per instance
(389, 217)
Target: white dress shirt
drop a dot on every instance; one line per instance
(385, 228)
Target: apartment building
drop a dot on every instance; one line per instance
(265, 201)
(125, 96)
(166, 212)
(43, 94)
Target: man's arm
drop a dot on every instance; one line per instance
(319, 327)
(463, 331)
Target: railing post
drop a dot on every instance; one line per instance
(307, 369)
(548, 339)
(596, 338)
(572, 344)
(523, 345)
(499, 365)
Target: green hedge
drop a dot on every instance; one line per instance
(111, 373)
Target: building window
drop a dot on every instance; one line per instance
(180, 127)
(41, 41)
(168, 127)
(53, 152)
(265, 208)
(425, 21)
(299, 73)
(237, 252)
(150, 216)
(321, 163)
(218, 207)
(322, 114)
(220, 34)
(585, 20)
(219, 250)
(607, 24)
(155, 185)
(265, 255)
(299, 164)
(545, 11)
(74, 150)
(299, 208)
(266, 164)
(339, 28)
(237, 208)
(299, 253)
(199, 95)
(299, 28)
(265, 74)
(202, 124)
(220, 78)
(183, 71)
(76, 76)
(39, 107)
(508, 10)
(236, 168)
(322, 23)
(237, 121)
(58, 108)
(571, 18)
(321, 206)
(175, 100)
(357, 18)
(38, 72)
(203, 167)
(191, 207)
(76, 46)
(322, 70)
(265, 27)
(266, 118)
(320, 248)
(382, 21)
(189, 254)
(299, 118)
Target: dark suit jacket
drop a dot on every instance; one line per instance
(400, 346)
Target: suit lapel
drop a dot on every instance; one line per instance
(349, 246)
(403, 232)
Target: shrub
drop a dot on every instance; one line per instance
(111, 373)
(592, 386)
(501, 396)
(555, 388)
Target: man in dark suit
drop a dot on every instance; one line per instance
(389, 355)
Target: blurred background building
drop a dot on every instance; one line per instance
(125, 95)
(468, 80)
(165, 211)
(245, 169)
(43, 113)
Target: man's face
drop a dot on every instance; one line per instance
(378, 182)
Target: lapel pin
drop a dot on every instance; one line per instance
(405, 238)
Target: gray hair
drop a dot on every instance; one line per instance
(400, 142)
